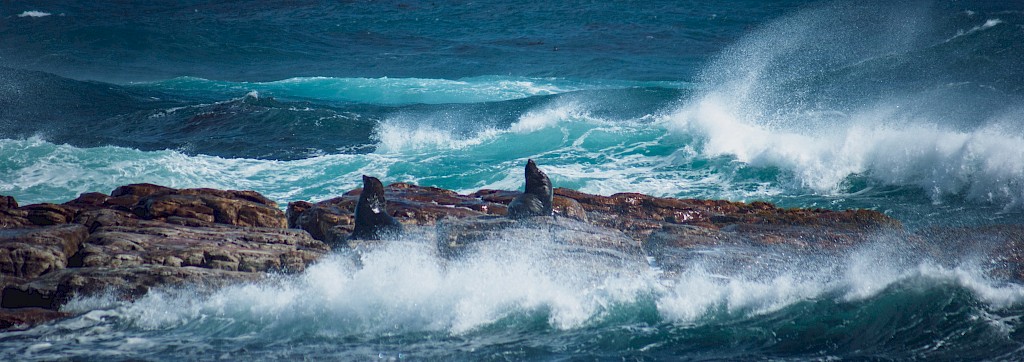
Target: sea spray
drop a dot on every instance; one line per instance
(394, 294)
(910, 109)
(806, 95)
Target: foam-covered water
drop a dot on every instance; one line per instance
(763, 107)
(915, 110)
(405, 300)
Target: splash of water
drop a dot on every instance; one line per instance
(822, 95)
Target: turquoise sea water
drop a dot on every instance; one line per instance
(914, 110)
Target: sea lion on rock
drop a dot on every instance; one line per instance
(536, 200)
(372, 219)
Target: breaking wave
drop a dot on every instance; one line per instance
(827, 102)
(521, 284)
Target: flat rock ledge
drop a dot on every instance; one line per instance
(145, 236)
(139, 237)
(646, 220)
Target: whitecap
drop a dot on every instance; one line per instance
(33, 14)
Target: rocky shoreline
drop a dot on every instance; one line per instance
(144, 236)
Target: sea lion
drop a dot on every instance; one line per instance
(372, 218)
(536, 200)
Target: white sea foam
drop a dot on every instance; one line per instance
(404, 287)
(698, 294)
(988, 24)
(986, 164)
(400, 133)
(747, 112)
(34, 14)
(549, 116)
(394, 136)
(38, 171)
(578, 150)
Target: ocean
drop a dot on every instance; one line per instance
(914, 109)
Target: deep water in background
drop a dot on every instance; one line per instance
(912, 109)
(915, 110)
(237, 41)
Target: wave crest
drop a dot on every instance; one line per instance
(826, 102)
(400, 91)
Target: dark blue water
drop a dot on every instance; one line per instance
(915, 110)
(238, 41)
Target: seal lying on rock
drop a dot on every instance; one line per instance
(372, 219)
(536, 201)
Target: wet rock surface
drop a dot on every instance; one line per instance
(331, 221)
(26, 317)
(29, 253)
(136, 238)
(456, 237)
(145, 236)
(645, 219)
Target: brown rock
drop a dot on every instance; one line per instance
(247, 213)
(145, 235)
(7, 203)
(89, 201)
(640, 215)
(139, 237)
(164, 206)
(14, 218)
(219, 247)
(28, 253)
(139, 190)
(294, 211)
(18, 318)
(569, 208)
(496, 196)
(457, 233)
(332, 220)
(458, 236)
(94, 219)
(193, 207)
(637, 215)
(326, 221)
(29, 294)
(49, 214)
(55, 289)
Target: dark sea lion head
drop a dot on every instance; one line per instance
(536, 200)
(372, 218)
(372, 197)
(538, 184)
